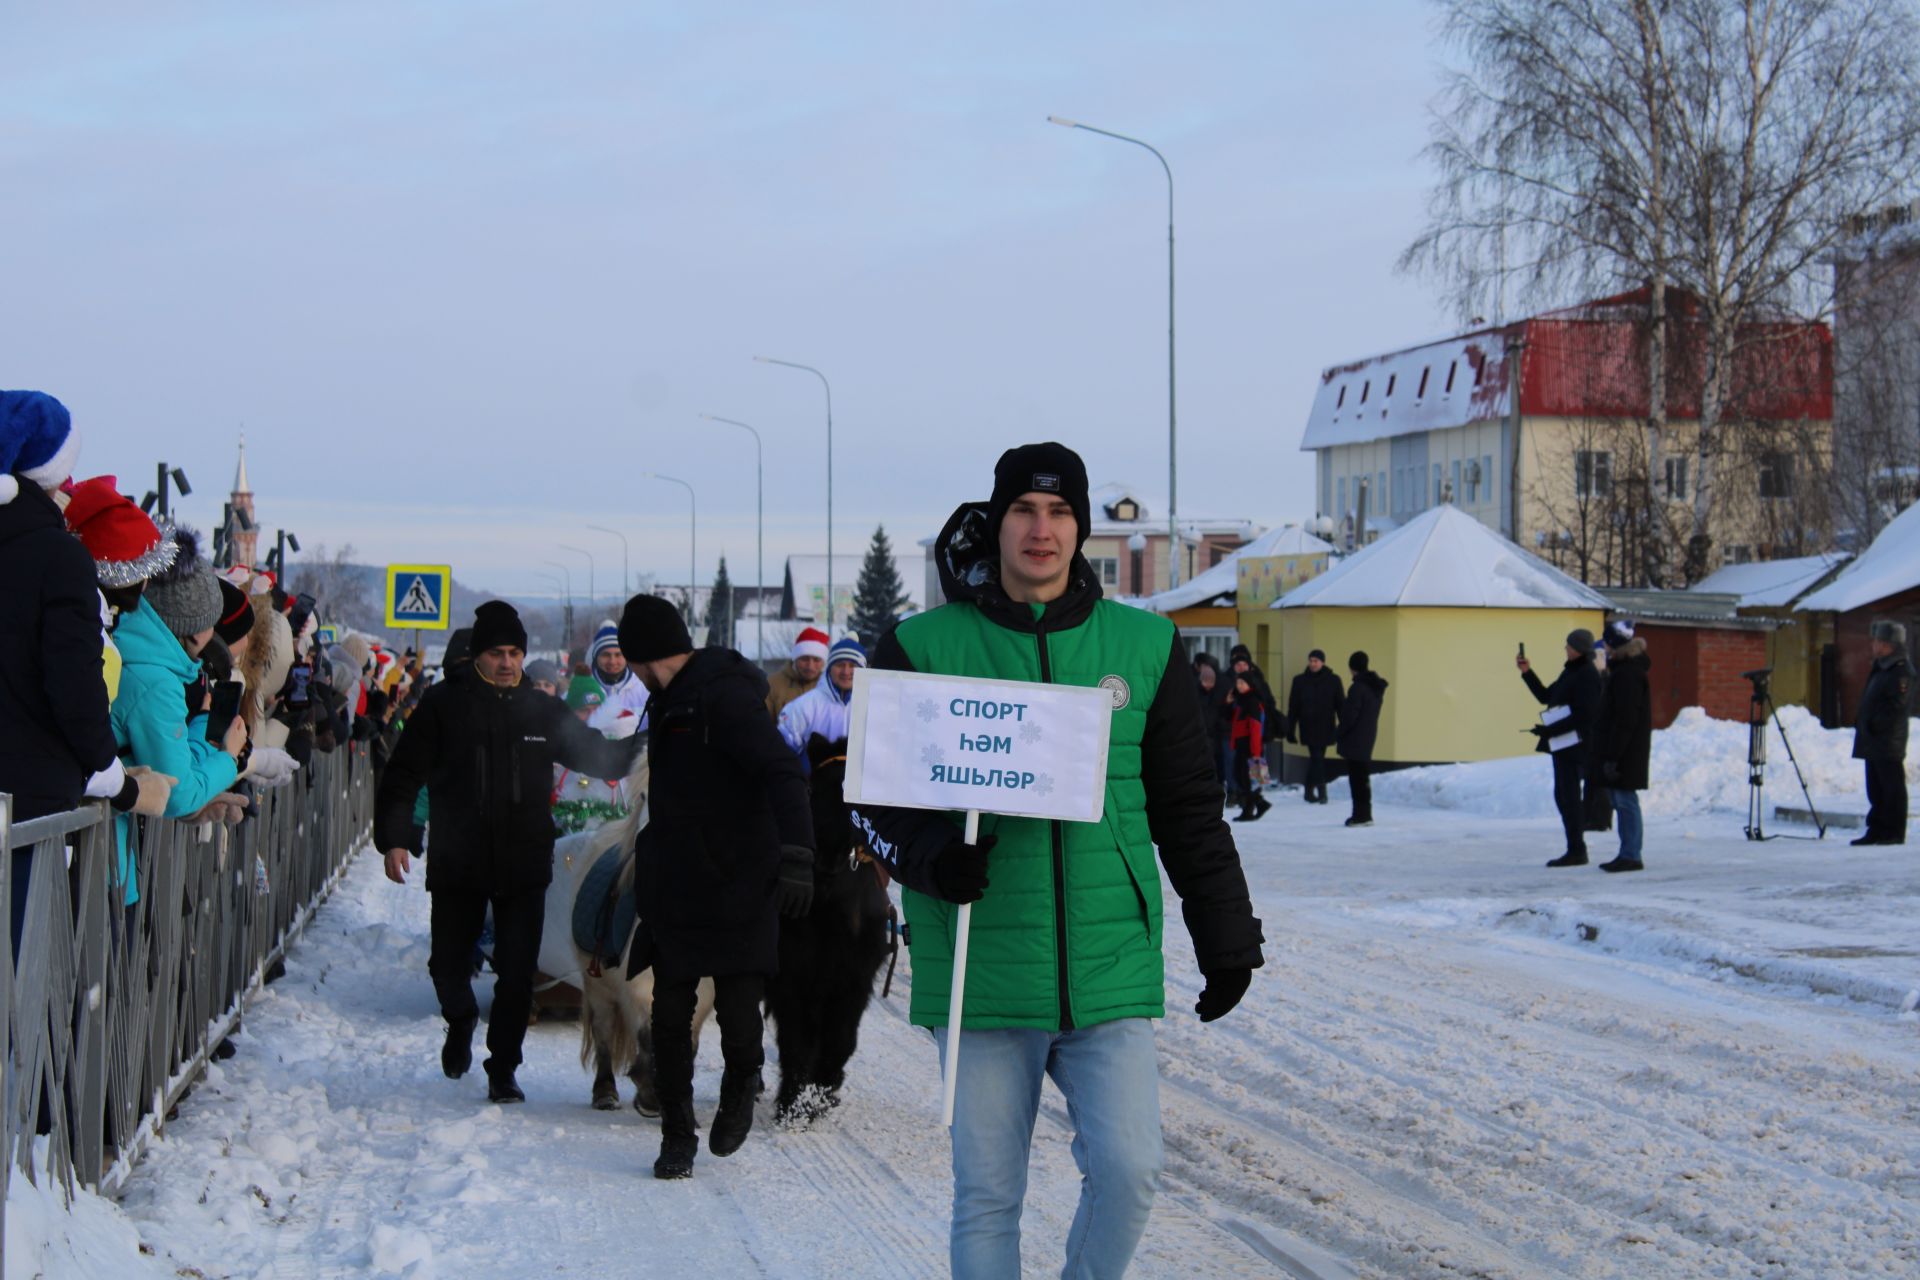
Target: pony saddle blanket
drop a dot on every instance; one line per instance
(602, 916)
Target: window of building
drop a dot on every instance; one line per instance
(1480, 373)
(1391, 379)
(1454, 496)
(1438, 481)
(1451, 370)
(1421, 394)
(1364, 388)
(1341, 485)
(1740, 555)
(1380, 492)
(1592, 473)
(1108, 567)
(1676, 469)
(1342, 400)
(1776, 475)
(1486, 478)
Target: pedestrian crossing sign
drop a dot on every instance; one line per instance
(419, 595)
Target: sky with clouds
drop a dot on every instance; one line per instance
(463, 272)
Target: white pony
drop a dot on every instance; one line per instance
(616, 1012)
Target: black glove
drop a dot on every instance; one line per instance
(1223, 991)
(793, 891)
(960, 870)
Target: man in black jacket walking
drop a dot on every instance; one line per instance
(1577, 688)
(1623, 739)
(1313, 719)
(1880, 735)
(727, 850)
(1359, 727)
(484, 742)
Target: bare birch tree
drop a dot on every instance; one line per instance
(1716, 146)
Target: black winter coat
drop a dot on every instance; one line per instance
(1216, 712)
(1880, 727)
(1624, 736)
(486, 756)
(726, 800)
(1313, 708)
(1360, 716)
(54, 732)
(1577, 688)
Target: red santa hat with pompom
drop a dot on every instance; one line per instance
(126, 546)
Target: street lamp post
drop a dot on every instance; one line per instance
(693, 535)
(567, 581)
(626, 580)
(829, 386)
(759, 538)
(566, 614)
(1173, 503)
(589, 555)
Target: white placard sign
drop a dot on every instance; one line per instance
(991, 746)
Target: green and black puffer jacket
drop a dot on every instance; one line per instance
(1069, 931)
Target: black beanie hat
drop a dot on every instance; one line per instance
(497, 623)
(652, 628)
(1040, 468)
(236, 614)
(1318, 653)
(1358, 662)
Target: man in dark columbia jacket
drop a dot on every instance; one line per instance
(1065, 971)
(484, 742)
(1880, 735)
(1577, 688)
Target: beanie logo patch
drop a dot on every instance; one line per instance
(1117, 689)
(1045, 482)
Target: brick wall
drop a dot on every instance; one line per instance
(1695, 666)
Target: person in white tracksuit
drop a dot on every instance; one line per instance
(825, 708)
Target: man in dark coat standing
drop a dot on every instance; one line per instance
(1577, 688)
(1623, 739)
(1313, 719)
(1880, 735)
(727, 850)
(1359, 727)
(483, 742)
(1215, 691)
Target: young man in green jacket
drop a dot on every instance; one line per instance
(1065, 972)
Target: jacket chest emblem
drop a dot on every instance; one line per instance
(1117, 689)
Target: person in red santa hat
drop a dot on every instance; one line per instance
(800, 674)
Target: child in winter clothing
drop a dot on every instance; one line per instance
(1248, 712)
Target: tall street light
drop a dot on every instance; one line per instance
(759, 537)
(626, 580)
(1173, 524)
(693, 535)
(829, 386)
(582, 551)
(566, 613)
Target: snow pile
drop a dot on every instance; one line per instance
(86, 1240)
(1698, 765)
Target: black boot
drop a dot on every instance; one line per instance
(456, 1055)
(1260, 806)
(731, 1123)
(1246, 813)
(501, 1087)
(1570, 860)
(679, 1139)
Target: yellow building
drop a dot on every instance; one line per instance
(1441, 606)
(1210, 609)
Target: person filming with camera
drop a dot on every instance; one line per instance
(1577, 688)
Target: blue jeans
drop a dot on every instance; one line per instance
(1110, 1077)
(1626, 808)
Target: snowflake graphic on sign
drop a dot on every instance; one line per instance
(927, 710)
(931, 754)
(1043, 784)
(1030, 733)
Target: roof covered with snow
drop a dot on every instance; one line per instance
(1442, 384)
(1888, 567)
(1443, 558)
(1224, 578)
(1769, 584)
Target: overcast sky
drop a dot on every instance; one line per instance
(463, 271)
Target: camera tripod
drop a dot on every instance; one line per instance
(1761, 712)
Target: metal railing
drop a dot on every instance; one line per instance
(111, 1011)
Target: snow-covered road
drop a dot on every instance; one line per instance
(1439, 1072)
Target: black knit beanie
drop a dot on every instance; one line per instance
(651, 629)
(497, 623)
(1358, 662)
(1039, 468)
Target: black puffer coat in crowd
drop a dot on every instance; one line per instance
(726, 797)
(1313, 707)
(1577, 688)
(54, 732)
(1624, 735)
(1360, 716)
(485, 755)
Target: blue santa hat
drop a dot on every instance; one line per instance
(37, 442)
(847, 649)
